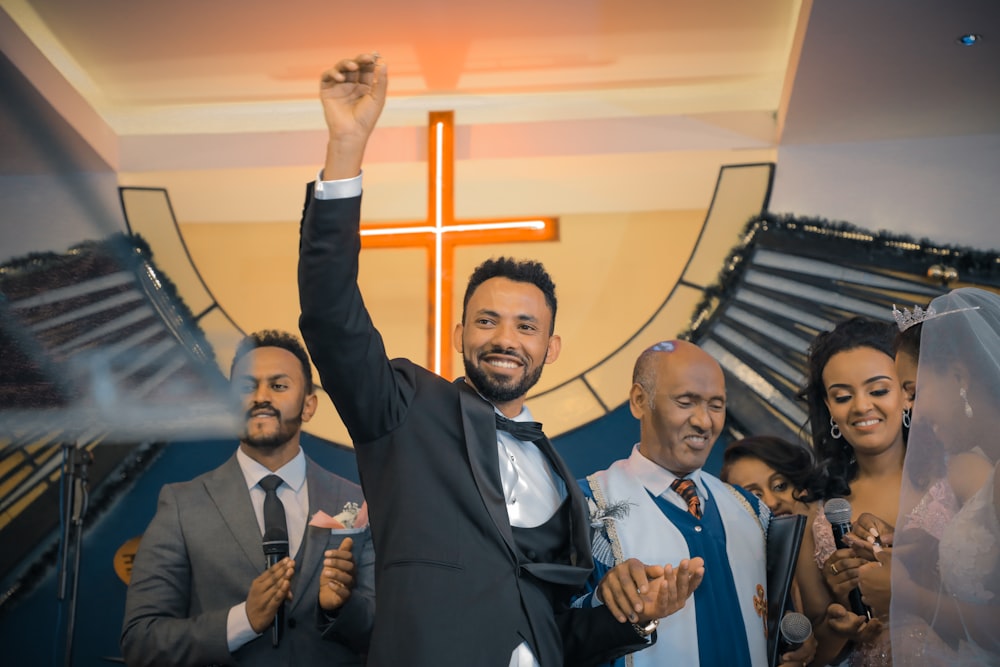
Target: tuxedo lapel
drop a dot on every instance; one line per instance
(479, 427)
(228, 490)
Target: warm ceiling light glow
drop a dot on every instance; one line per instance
(969, 39)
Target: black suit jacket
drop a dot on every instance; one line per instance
(450, 586)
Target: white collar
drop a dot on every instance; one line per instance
(656, 479)
(523, 416)
(292, 473)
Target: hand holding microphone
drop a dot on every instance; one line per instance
(838, 513)
(275, 550)
(268, 593)
(795, 639)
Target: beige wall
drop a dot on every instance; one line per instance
(628, 225)
(612, 272)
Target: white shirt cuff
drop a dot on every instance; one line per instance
(238, 630)
(339, 189)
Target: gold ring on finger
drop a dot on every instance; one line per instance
(833, 568)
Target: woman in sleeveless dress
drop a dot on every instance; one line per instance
(857, 411)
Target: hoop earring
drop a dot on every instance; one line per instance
(906, 418)
(965, 399)
(834, 430)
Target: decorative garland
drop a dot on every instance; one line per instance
(826, 240)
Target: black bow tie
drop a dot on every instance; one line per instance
(526, 431)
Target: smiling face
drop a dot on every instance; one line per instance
(505, 341)
(773, 488)
(865, 399)
(271, 387)
(682, 415)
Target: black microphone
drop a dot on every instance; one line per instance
(838, 513)
(276, 548)
(794, 631)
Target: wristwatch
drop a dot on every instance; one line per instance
(646, 630)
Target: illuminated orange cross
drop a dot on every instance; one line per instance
(441, 232)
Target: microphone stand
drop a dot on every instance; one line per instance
(73, 507)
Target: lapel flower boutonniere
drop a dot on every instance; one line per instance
(601, 515)
(605, 545)
(353, 517)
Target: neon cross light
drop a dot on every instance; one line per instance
(441, 232)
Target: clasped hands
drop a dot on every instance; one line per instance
(274, 586)
(639, 593)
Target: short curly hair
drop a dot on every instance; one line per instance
(524, 271)
(275, 338)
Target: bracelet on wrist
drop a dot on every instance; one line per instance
(646, 630)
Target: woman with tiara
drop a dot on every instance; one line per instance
(857, 418)
(953, 585)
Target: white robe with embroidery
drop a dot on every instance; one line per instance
(648, 534)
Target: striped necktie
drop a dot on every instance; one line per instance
(686, 488)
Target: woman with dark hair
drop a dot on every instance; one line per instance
(858, 414)
(782, 474)
(836, 395)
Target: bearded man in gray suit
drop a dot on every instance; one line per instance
(201, 591)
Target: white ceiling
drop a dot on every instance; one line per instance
(133, 75)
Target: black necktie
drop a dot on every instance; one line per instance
(275, 540)
(525, 431)
(274, 512)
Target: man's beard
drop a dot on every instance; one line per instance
(269, 442)
(497, 391)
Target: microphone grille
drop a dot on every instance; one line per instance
(795, 628)
(837, 510)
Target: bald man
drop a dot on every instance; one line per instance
(651, 517)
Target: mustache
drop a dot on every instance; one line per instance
(263, 408)
(268, 409)
(506, 351)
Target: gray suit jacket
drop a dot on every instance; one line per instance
(198, 558)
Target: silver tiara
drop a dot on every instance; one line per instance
(906, 319)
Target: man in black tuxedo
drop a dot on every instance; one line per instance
(481, 535)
